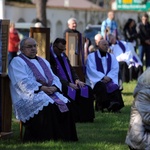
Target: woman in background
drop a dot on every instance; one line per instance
(130, 32)
(13, 44)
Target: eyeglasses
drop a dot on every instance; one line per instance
(61, 49)
(31, 46)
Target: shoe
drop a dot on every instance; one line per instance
(114, 106)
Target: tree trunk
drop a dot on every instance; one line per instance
(41, 11)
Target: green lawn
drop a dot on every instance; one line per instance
(108, 131)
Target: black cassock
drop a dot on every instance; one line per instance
(50, 124)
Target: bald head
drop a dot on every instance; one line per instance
(103, 45)
(98, 38)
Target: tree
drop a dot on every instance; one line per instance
(41, 11)
(102, 3)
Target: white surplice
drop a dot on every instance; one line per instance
(93, 75)
(127, 56)
(23, 85)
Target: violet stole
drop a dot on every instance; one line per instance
(39, 77)
(124, 49)
(60, 72)
(122, 46)
(72, 92)
(110, 86)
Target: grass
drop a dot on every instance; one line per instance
(108, 131)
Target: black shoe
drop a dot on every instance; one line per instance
(114, 106)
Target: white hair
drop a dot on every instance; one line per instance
(72, 19)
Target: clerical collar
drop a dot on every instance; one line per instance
(103, 54)
(30, 57)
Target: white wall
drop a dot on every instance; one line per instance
(58, 17)
(2, 6)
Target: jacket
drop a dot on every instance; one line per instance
(138, 135)
(14, 40)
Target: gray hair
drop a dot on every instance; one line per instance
(72, 19)
(22, 43)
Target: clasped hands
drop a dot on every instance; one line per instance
(77, 84)
(106, 79)
(49, 90)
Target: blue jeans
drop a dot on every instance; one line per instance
(145, 49)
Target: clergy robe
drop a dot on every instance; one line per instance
(0, 107)
(130, 64)
(0, 82)
(38, 112)
(94, 77)
(83, 108)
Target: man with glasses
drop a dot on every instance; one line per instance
(78, 92)
(102, 75)
(37, 99)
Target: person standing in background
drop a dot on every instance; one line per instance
(109, 26)
(130, 32)
(13, 44)
(72, 27)
(144, 36)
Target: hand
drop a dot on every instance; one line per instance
(106, 79)
(79, 83)
(74, 86)
(49, 90)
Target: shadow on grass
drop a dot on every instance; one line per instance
(107, 132)
(108, 128)
(127, 93)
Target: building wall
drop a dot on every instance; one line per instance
(57, 18)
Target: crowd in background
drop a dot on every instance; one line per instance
(55, 88)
